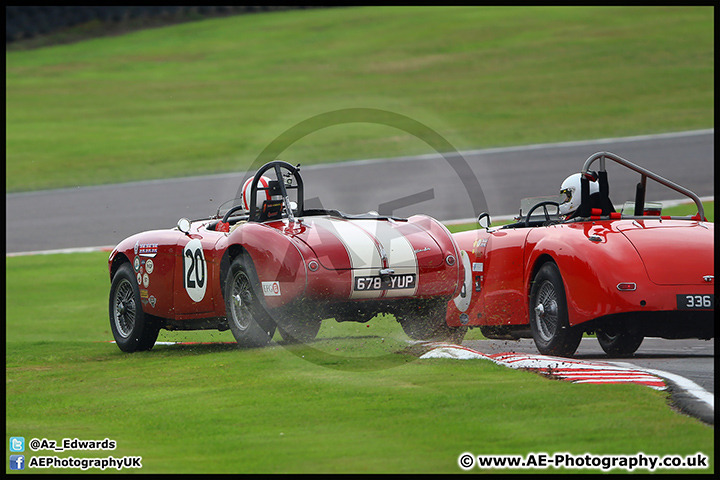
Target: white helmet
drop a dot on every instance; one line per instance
(261, 195)
(570, 192)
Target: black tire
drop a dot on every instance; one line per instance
(548, 314)
(300, 329)
(249, 323)
(426, 321)
(132, 328)
(619, 340)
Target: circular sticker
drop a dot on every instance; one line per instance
(149, 266)
(195, 270)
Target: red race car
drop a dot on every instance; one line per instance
(270, 263)
(572, 264)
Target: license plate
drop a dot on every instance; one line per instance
(386, 282)
(695, 302)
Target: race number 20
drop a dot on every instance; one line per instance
(195, 270)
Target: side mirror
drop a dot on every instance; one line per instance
(184, 225)
(484, 220)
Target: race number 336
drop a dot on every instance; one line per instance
(195, 270)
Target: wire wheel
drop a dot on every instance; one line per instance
(546, 311)
(132, 328)
(241, 300)
(551, 331)
(246, 316)
(124, 310)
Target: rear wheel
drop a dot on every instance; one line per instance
(551, 331)
(249, 323)
(619, 340)
(300, 329)
(426, 321)
(132, 328)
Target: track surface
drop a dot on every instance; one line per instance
(104, 215)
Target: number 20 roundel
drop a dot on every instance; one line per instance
(195, 271)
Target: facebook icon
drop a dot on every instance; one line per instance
(17, 462)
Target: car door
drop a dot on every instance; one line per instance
(194, 269)
(504, 298)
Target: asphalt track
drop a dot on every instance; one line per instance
(429, 184)
(104, 215)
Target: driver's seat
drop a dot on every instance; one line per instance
(270, 210)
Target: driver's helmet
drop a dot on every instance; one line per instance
(261, 195)
(570, 193)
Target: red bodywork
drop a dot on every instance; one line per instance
(317, 258)
(663, 258)
(651, 273)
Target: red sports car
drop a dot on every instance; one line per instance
(268, 262)
(572, 264)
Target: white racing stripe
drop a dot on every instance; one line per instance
(360, 246)
(398, 251)
(373, 245)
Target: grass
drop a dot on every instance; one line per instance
(355, 401)
(208, 96)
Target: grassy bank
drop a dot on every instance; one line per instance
(208, 96)
(354, 401)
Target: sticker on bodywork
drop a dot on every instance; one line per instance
(271, 289)
(462, 301)
(147, 249)
(195, 270)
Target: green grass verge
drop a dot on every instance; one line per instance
(352, 402)
(208, 96)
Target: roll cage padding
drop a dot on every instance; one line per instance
(605, 203)
(584, 208)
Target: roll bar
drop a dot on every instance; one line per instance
(644, 175)
(277, 166)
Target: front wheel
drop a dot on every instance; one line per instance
(551, 331)
(426, 321)
(249, 323)
(132, 328)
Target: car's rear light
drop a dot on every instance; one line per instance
(450, 260)
(313, 265)
(626, 286)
